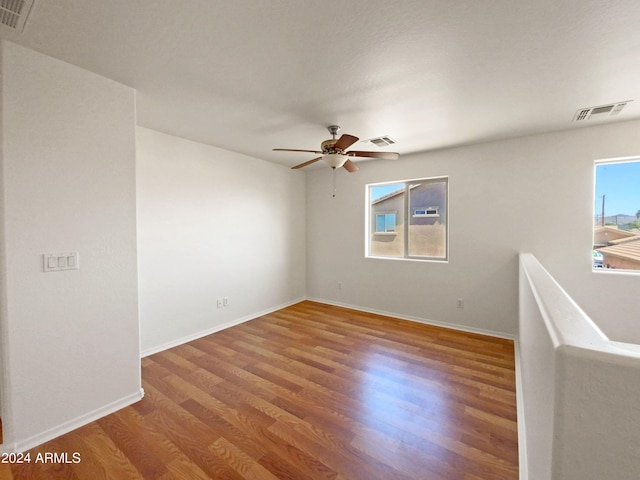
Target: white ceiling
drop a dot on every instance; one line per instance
(251, 75)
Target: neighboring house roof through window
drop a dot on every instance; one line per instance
(629, 250)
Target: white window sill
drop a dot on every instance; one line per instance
(410, 259)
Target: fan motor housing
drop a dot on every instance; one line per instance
(327, 145)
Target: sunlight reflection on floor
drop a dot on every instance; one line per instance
(393, 394)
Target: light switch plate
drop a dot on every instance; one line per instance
(56, 262)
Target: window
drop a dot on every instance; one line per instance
(408, 219)
(616, 233)
(426, 212)
(385, 223)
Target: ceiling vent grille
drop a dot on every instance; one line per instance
(382, 141)
(14, 13)
(600, 112)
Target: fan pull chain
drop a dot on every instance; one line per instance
(334, 181)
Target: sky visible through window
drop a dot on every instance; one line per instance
(378, 191)
(620, 184)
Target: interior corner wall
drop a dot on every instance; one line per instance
(530, 194)
(70, 339)
(3, 268)
(213, 224)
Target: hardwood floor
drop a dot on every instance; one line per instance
(309, 392)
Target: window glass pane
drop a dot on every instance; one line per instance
(385, 210)
(428, 232)
(408, 219)
(380, 191)
(616, 234)
(390, 222)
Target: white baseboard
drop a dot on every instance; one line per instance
(66, 427)
(217, 328)
(426, 321)
(246, 318)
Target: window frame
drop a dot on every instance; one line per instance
(603, 269)
(408, 214)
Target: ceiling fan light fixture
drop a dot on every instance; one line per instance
(335, 160)
(334, 151)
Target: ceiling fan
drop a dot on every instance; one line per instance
(334, 152)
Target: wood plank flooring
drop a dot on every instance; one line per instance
(309, 392)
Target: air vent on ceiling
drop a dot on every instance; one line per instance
(382, 141)
(14, 13)
(600, 112)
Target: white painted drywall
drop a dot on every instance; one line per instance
(527, 194)
(4, 378)
(579, 412)
(537, 380)
(213, 224)
(70, 339)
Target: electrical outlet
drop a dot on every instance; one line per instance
(460, 303)
(225, 302)
(339, 285)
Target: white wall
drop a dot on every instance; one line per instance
(70, 342)
(536, 383)
(213, 224)
(4, 378)
(528, 194)
(578, 408)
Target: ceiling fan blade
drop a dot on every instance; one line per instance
(292, 150)
(345, 141)
(350, 166)
(306, 163)
(385, 155)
